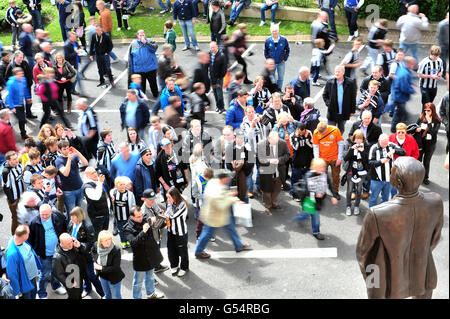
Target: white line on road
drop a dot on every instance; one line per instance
(265, 254)
(108, 89)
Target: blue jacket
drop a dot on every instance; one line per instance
(280, 53)
(401, 88)
(142, 114)
(290, 128)
(15, 268)
(183, 11)
(64, 12)
(26, 42)
(165, 95)
(17, 92)
(142, 57)
(120, 167)
(352, 3)
(235, 114)
(144, 179)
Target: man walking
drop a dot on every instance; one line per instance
(351, 13)
(277, 48)
(217, 71)
(65, 11)
(101, 46)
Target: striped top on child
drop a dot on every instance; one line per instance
(122, 204)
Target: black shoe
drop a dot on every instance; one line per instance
(115, 230)
(51, 118)
(319, 236)
(220, 111)
(160, 268)
(247, 81)
(31, 116)
(426, 181)
(338, 197)
(100, 84)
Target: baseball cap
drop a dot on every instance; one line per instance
(145, 151)
(149, 194)
(165, 142)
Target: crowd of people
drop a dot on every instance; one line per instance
(274, 140)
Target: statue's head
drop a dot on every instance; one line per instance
(407, 174)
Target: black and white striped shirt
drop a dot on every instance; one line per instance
(385, 59)
(105, 154)
(88, 121)
(430, 67)
(49, 159)
(177, 217)
(10, 16)
(29, 170)
(254, 135)
(122, 204)
(379, 171)
(139, 146)
(12, 182)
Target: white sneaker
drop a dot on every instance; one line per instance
(84, 294)
(156, 295)
(356, 211)
(43, 297)
(173, 270)
(60, 291)
(350, 38)
(118, 29)
(181, 273)
(356, 33)
(262, 23)
(348, 211)
(129, 28)
(315, 84)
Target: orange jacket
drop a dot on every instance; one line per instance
(105, 20)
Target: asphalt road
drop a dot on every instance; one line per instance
(279, 272)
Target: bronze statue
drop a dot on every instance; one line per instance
(394, 248)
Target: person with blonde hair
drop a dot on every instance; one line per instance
(317, 183)
(45, 132)
(430, 71)
(107, 258)
(64, 72)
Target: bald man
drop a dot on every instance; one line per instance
(69, 265)
(26, 43)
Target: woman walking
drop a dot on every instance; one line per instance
(64, 72)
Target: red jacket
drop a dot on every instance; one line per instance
(410, 145)
(7, 140)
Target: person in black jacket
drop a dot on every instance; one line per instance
(146, 253)
(384, 87)
(101, 46)
(34, 8)
(429, 123)
(217, 23)
(82, 230)
(293, 102)
(201, 71)
(199, 102)
(357, 158)
(142, 113)
(107, 264)
(44, 240)
(26, 43)
(340, 107)
(268, 75)
(217, 71)
(69, 264)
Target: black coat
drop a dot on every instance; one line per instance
(100, 47)
(218, 70)
(373, 132)
(112, 271)
(70, 55)
(25, 67)
(201, 74)
(267, 170)
(86, 237)
(37, 231)
(146, 253)
(330, 98)
(271, 86)
(350, 157)
(296, 108)
(62, 259)
(384, 87)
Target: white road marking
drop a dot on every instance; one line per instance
(109, 88)
(264, 254)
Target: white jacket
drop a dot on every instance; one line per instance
(411, 26)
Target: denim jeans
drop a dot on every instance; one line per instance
(47, 272)
(188, 29)
(88, 62)
(91, 279)
(37, 19)
(15, 35)
(399, 115)
(414, 49)
(104, 67)
(143, 276)
(64, 30)
(296, 175)
(208, 233)
(134, 5)
(99, 224)
(377, 187)
(315, 220)
(72, 199)
(120, 224)
(218, 95)
(111, 291)
(249, 182)
(394, 191)
(165, 6)
(281, 68)
(273, 9)
(331, 19)
(77, 81)
(235, 11)
(31, 294)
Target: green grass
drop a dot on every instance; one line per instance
(153, 25)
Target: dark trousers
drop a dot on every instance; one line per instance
(89, 147)
(242, 62)
(271, 199)
(218, 95)
(351, 187)
(119, 13)
(352, 18)
(74, 293)
(66, 86)
(15, 35)
(315, 73)
(13, 209)
(92, 279)
(216, 37)
(31, 294)
(150, 76)
(52, 105)
(400, 115)
(20, 115)
(177, 249)
(99, 223)
(425, 155)
(104, 67)
(428, 95)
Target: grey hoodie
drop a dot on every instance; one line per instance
(411, 26)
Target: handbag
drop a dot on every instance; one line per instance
(309, 205)
(79, 31)
(243, 214)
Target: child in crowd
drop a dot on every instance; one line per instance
(51, 179)
(121, 14)
(122, 200)
(170, 35)
(316, 58)
(29, 144)
(32, 167)
(198, 188)
(136, 81)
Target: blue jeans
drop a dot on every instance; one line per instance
(37, 19)
(331, 19)
(143, 276)
(281, 68)
(296, 175)
(111, 291)
(2, 160)
(120, 224)
(208, 233)
(394, 191)
(91, 279)
(377, 187)
(218, 95)
(46, 272)
(31, 294)
(250, 183)
(414, 49)
(165, 6)
(399, 115)
(234, 13)
(273, 9)
(315, 220)
(72, 199)
(78, 80)
(188, 29)
(88, 62)
(99, 224)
